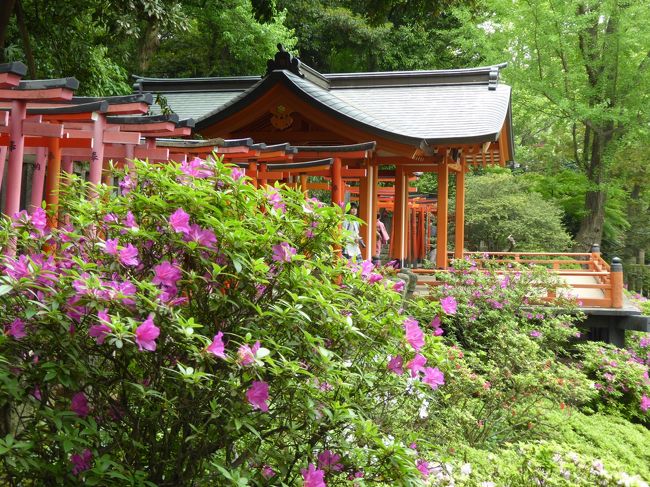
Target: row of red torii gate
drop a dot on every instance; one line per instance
(363, 137)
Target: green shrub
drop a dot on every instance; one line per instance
(510, 354)
(621, 378)
(192, 330)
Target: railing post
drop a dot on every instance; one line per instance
(616, 281)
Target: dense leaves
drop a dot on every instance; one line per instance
(192, 330)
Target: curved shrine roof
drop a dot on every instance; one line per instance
(419, 108)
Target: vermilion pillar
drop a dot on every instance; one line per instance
(373, 183)
(365, 209)
(459, 236)
(97, 154)
(3, 159)
(67, 164)
(337, 182)
(443, 209)
(16, 153)
(38, 177)
(52, 182)
(400, 216)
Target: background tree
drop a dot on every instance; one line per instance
(504, 214)
(580, 71)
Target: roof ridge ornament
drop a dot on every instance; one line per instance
(284, 61)
(494, 78)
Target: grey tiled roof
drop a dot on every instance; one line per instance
(434, 112)
(417, 108)
(194, 104)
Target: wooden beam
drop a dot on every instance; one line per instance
(111, 137)
(40, 129)
(7, 80)
(45, 94)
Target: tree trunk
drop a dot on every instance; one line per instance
(24, 34)
(148, 45)
(6, 8)
(591, 228)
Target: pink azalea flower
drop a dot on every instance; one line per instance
(127, 184)
(283, 252)
(374, 277)
(328, 460)
(449, 305)
(237, 173)
(395, 365)
(366, 268)
(129, 256)
(36, 393)
(423, 467)
(398, 286)
(258, 394)
(417, 364)
(645, 403)
(267, 472)
(146, 334)
(39, 219)
(247, 354)
(166, 274)
(202, 236)
(312, 477)
(17, 329)
(18, 268)
(644, 342)
(414, 334)
(535, 334)
(196, 168)
(217, 347)
(110, 246)
(180, 221)
(79, 405)
(433, 377)
(437, 329)
(129, 221)
(81, 463)
(274, 197)
(100, 331)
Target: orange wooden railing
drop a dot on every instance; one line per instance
(609, 280)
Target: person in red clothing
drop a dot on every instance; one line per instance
(382, 239)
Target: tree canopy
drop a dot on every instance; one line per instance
(579, 70)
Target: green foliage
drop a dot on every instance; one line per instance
(581, 75)
(549, 463)
(350, 36)
(87, 398)
(620, 377)
(507, 354)
(222, 39)
(567, 189)
(501, 205)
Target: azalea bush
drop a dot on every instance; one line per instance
(621, 377)
(509, 350)
(189, 329)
